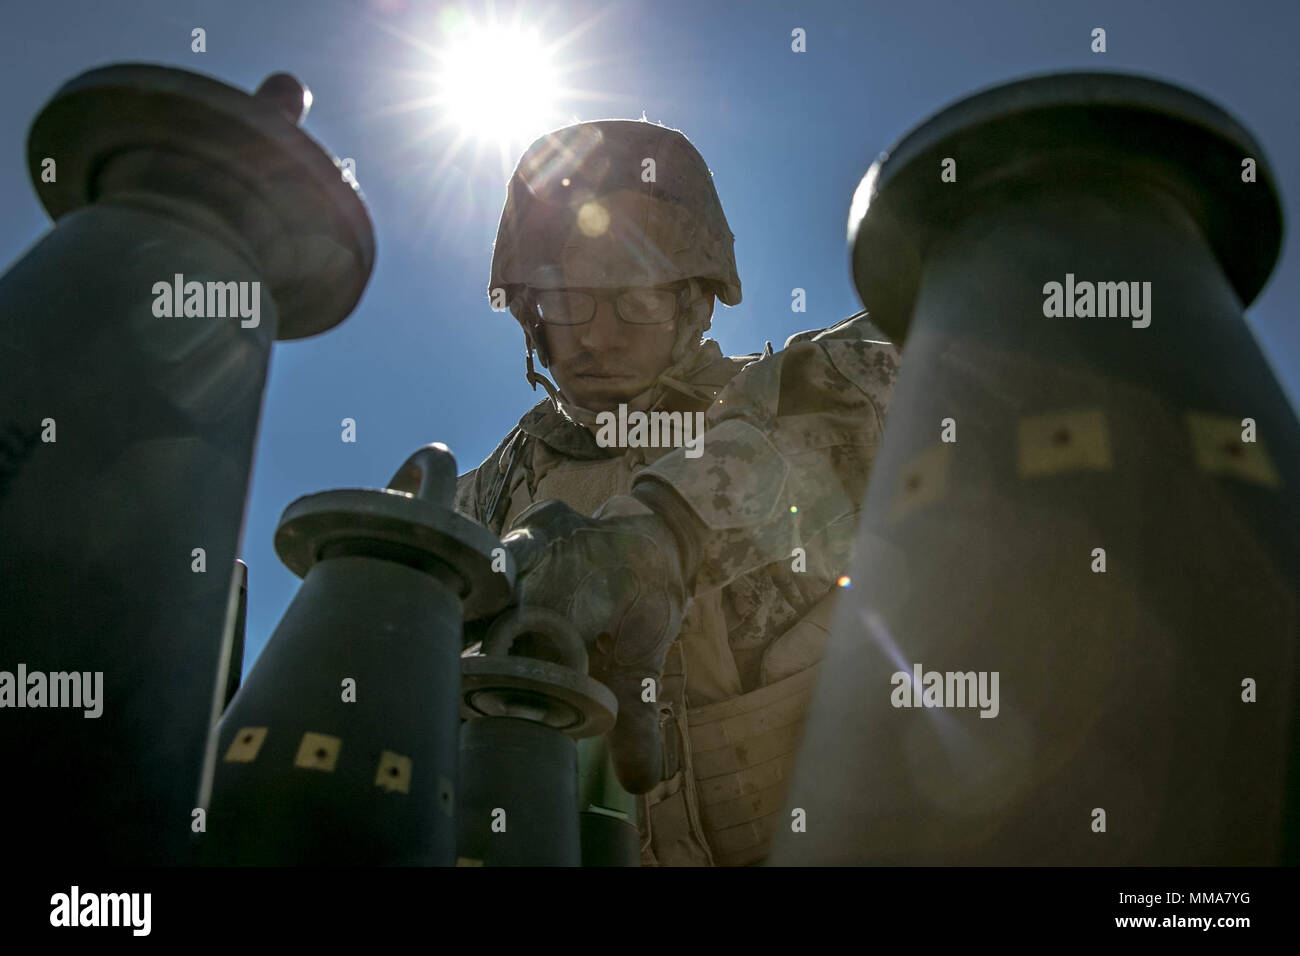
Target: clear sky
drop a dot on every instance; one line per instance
(788, 136)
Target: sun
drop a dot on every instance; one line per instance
(497, 83)
(476, 88)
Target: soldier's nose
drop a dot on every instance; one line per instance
(605, 328)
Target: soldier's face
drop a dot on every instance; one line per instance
(607, 361)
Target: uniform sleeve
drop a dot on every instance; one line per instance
(787, 453)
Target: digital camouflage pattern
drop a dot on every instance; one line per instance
(787, 453)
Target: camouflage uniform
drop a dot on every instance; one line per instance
(786, 457)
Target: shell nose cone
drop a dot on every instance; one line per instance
(287, 94)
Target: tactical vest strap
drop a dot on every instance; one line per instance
(494, 515)
(672, 830)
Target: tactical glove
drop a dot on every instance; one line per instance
(622, 579)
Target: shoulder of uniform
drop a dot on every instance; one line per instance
(500, 455)
(474, 486)
(857, 326)
(492, 463)
(722, 370)
(466, 495)
(542, 411)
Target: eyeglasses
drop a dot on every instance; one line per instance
(634, 306)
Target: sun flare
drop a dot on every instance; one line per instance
(477, 88)
(497, 83)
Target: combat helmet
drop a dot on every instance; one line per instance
(609, 204)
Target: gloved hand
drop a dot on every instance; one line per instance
(621, 578)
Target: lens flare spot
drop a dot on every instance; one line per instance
(593, 219)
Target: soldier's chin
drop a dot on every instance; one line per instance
(604, 393)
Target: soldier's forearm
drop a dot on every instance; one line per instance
(690, 533)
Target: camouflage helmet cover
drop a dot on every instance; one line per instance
(586, 207)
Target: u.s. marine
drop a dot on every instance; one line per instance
(677, 567)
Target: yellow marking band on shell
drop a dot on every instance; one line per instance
(1217, 444)
(466, 861)
(1063, 441)
(318, 752)
(245, 746)
(394, 773)
(923, 481)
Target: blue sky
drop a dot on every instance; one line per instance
(788, 136)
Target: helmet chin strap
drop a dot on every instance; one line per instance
(536, 378)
